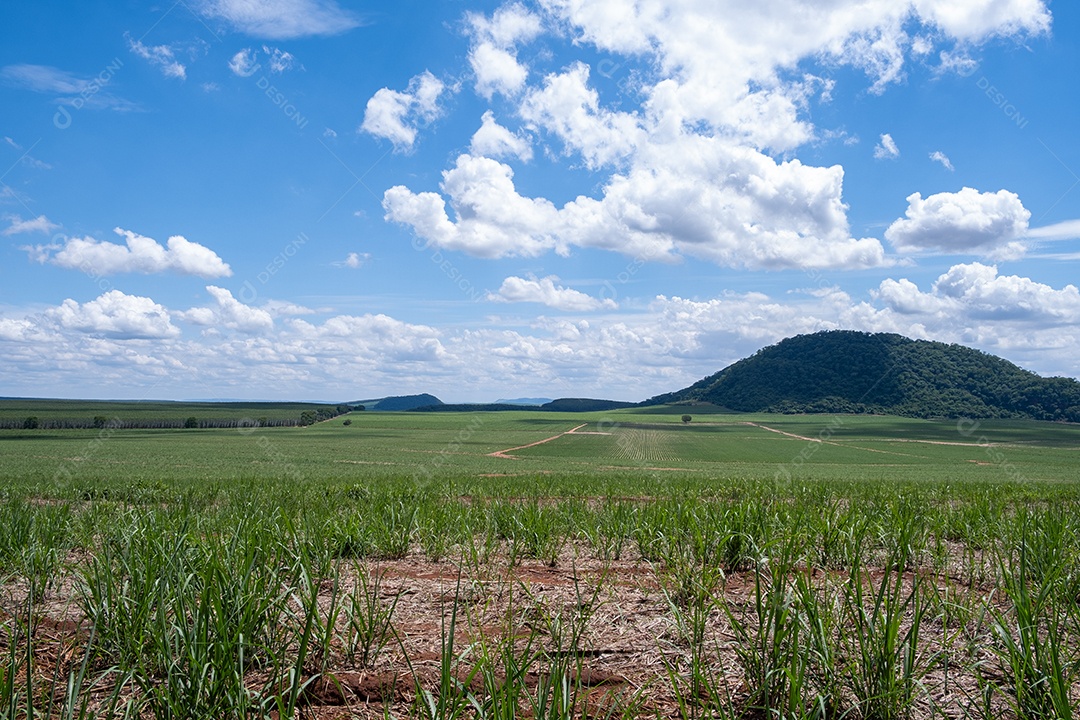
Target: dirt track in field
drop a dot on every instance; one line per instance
(505, 454)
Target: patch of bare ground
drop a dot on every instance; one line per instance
(608, 624)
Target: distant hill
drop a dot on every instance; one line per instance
(474, 407)
(584, 405)
(402, 402)
(845, 371)
(523, 401)
(560, 405)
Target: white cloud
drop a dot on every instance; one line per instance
(497, 70)
(688, 173)
(161, 56)
(988, 224)
(940, 157)
(16, 330)
(546, 292)
(665, 346)
(362, 340)
(956, 62)
(493, 220)
(886, 149)
(569, 108)
(395, 115)
(977, 20)
(698, 197)
(66, 86)
(244, 63)
(115, 315)
(230, 314)
(26, 158)
(354, 261)
(1067, 230)
(973, 293)
(510, 25)
(281, 308)
(139, 254)
(495, 141)
(43, 79)
(493, 55)
(282, 19)
(40, 224)
(280, 60)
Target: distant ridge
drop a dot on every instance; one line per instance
(843, 371)
(523, 401)
(401, 402)
(560, 405)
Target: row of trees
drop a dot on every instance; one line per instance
(100, 422)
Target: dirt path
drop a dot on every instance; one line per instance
(505, 454)
(797, 437)
(845, 445)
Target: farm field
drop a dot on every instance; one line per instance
(543, 565)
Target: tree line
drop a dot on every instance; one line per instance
(101, 422)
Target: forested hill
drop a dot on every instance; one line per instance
(848, 371)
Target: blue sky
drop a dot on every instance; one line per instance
(320, 199)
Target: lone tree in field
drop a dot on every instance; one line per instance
(31, 423)
(191, 422)
(686, 418)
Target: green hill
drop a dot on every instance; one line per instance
(403, 402)
(848, 371)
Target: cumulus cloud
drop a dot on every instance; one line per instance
(161, 56)
(493, 55)
(230, 314)
(282, 19)
(395, 115)
(18, 226)
(976, 292)
(569, 108)
(940, 157)
(977, 20)
(497, 70)
(368, 338)
(493, 220)
(708, 100)
(886, 148)
(968, 221)
(139, 254)
(115, 315)
(495, 141)
(546, 292)
(699, 197)
(508, 26)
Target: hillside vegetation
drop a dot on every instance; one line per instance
(854, 372)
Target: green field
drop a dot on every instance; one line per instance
(618, 447)
(543, 565)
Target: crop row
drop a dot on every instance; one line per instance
(824, 601)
